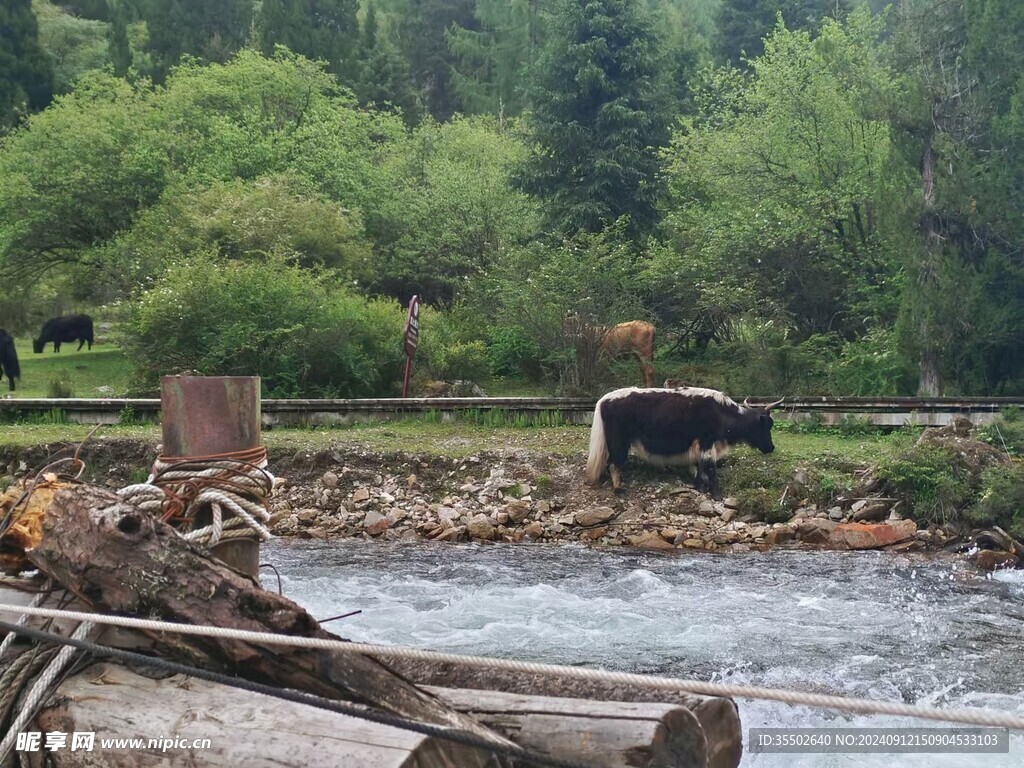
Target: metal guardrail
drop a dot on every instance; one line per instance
(890, 411)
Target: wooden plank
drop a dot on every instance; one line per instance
(605, 734)
(244, 729)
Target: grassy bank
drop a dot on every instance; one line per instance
(101, 371)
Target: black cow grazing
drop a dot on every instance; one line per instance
(8, 359)
(688, 425)
(60, 329)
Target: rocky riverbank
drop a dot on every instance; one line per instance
(516, 496)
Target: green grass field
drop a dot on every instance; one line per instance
(86, 374)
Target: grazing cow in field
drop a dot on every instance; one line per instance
(690, 425)
(60, 329)
(8, 359)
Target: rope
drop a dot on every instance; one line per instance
(179, 488)
(40, 689)
(981, 717)
(300, 697)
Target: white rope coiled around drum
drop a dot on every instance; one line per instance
(232, 487)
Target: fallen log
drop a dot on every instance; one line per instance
(117, 559)
(718, 717)
(604, 734)
(243, 728)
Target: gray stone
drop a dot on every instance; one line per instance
(329, 480)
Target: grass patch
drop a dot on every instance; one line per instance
(88, 373)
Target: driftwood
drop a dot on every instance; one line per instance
(604, 734)
(244, 729)
(115, 558)
(718, 717)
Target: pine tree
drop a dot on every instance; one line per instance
(598, 118)
(422, 39)
(118, 49)
(494, 59)
(212, 30)
(318, 29)
(743, 24)
(384, 79)
(26, 73)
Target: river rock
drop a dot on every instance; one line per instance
(481, 527)
(649, 540)
(875, 511)
(815, 530)
(594, 516)
(707, 508)
(534, 530)
(375, 523)
(871, 536)
(992, 560)
(517, 510)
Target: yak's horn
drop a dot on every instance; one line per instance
(773, 405)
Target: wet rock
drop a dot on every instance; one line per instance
(871, 536)
(593, 516)
(992, 560)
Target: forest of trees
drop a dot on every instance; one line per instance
(805, 196)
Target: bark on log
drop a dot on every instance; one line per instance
(719, 718)
(605, 734)
(117, 559)
(244, 729)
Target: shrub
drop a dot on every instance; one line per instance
(929, 481)
(1006, 432)
(60, 385)
(1002, 500)
(303, 332)
(512, 352)
(450, 345)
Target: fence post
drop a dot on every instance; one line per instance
(209, 415)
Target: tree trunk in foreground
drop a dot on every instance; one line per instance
(117, 559)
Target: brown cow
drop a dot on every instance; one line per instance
(628, 339)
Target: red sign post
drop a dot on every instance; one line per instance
(412, 336)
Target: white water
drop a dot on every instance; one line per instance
(866, 624)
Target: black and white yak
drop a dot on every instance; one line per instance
(687, 425)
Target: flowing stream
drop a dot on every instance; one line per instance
(877, 625)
